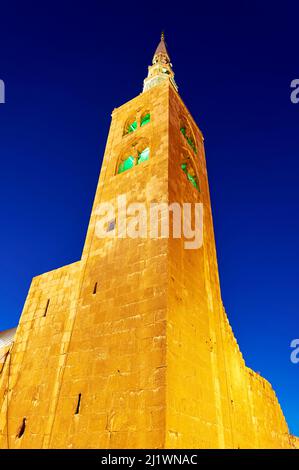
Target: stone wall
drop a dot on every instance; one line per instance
(130, 347)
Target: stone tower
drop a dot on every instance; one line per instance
(130, 347)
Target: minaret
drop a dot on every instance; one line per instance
(130, 347)
(161, 68)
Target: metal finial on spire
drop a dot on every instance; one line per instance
(162, 36)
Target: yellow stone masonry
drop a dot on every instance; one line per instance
(130, 347)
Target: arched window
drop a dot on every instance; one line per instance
(126, 164)
(143, 155)
(187, 133)
(188, 169)
(131, 125)
(138, 152)
(183, 130)
(145, 119)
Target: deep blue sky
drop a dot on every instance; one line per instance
(66, 66)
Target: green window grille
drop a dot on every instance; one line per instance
(192, 144)
(183, 130)
(189, 139)
(126, 164)
(184, 167)
(144, 155)
(145, 119)
(132, 127)
(191, 178)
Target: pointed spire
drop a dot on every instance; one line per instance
(161, 49)
(161, 53)
(161, 68)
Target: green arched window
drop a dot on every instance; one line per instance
(144, 155)
(183, 130)
(145, 119)
(126, 164)
(192, 144)
(137, 152)
(191, 175)
(131, 127)
(187, 134)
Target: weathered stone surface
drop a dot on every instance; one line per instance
(151, 353)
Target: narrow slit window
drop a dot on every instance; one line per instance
(95, 288)
(111, 225)
(47, 308)
(78, 404)
(22, 429)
